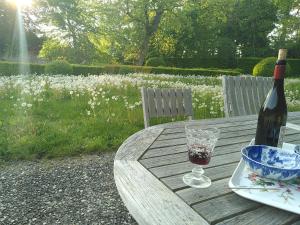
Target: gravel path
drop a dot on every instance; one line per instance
(78, 190)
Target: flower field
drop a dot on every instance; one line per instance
(52, 116)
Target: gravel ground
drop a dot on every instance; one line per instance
(78, 190)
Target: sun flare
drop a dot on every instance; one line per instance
(20, 3)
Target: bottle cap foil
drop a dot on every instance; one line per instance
(282, 54)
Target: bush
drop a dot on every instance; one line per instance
(12, 68)
(247, 64)
(86, 70)
(59, 67)
(155, 61)
(295, 66)
(208, 62)
(196, 71)
(265, 68)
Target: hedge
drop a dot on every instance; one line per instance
(247, 64)
(209, 62)
(10, 68)
(295, 67)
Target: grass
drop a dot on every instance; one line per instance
(55, 116)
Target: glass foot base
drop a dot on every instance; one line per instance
(196, 179)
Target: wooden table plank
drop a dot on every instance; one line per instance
(220, 150)
(155, 193)
(173, 169)
(164, 160)
(217, 209)
(147, 198)
(156, 152)
(194, 195)
(175, 182)
(262, 216)
(137, 144)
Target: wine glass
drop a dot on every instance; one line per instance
(201, 141)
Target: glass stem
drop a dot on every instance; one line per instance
(198, 171)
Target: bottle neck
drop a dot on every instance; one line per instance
(279, 70)
(279, 83)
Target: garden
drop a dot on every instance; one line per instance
(71, 73)
(58, 115)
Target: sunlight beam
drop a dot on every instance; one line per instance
(20, 3)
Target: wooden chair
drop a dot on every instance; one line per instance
(166, 103)
(243, 95)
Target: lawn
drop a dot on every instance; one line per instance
(54, 116)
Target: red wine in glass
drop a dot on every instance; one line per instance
(199, 154)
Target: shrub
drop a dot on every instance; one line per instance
(295, 66)
(12, 68)
(247, 64)
(265, 67)
(59, 67)
(86, 70)
(155, 61)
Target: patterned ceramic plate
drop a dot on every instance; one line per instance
(284, 195)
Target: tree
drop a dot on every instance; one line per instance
(142, 19)
(7, 23)
(71, 22)
(287, 31)
(197, 30)
(249, 25)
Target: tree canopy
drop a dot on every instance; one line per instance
(130, 31)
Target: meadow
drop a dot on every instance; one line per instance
(55, 116)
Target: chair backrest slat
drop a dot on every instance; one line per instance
(245, 94)
(173, 102)
(239, 96)
(151, 102)
(252, 106)
(255, 94)
(245, 97)
(179, 102)
(187, 100)
(166, 102)
(158, 102)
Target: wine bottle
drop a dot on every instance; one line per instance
(273, 113)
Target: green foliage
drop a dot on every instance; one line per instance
(265, 68)
(295, 67)
(249, 24)
(12, 68)
(53, 50)
(86, 70)
(202, 62)
(63, 67)
(59, 67)
(247, 64)
(47, 129)
(155, 61)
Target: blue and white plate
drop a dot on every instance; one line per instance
(271, 162)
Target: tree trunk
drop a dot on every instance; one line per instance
(150, 28)
(144, 50)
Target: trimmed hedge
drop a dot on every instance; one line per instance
(10, 68)
(59, 67)
(265, 68)
(209, 62)
(156, 61)
(295, 67)
(247, 64)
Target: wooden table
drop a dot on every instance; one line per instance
(148, 172)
